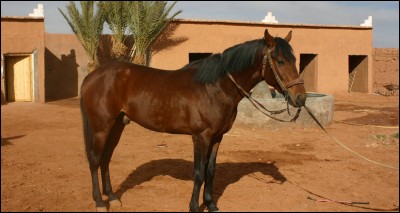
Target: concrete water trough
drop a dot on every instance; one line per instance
(321, 105)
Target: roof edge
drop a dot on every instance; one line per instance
(21, 18)
(230, 22)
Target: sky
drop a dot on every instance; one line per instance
(385, 14)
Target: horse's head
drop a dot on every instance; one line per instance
(279, 69)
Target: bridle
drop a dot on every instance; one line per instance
(284, 88)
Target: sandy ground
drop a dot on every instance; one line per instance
(44, 168)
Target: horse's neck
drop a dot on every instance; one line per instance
(247, 80)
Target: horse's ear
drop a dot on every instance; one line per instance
(288, 37)
(269, 40)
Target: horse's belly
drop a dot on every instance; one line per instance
(161, 119)
(164, 125)
(177, 113)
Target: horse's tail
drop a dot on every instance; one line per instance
(87, 132)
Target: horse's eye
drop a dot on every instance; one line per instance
(280, 62)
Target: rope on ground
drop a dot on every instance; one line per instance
(336, 201)
(388, 127)
(347, 203)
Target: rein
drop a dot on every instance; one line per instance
(284, 88)
(259, 106)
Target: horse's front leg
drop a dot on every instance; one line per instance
(209, 176)
(201, 143)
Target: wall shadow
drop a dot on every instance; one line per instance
(6, 141)
(3, 98)
(61, 76)
(183, 170)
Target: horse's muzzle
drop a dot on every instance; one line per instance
(298, 101)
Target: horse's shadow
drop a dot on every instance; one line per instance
(183, 170)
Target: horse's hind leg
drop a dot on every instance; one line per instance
(209, 176)
(112, 142)
(98, 141)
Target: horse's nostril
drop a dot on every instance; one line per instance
(300, 100)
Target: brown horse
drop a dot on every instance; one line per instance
(199, 99)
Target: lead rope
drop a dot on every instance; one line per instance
(344, 146)
(255, 103)
(319, 124)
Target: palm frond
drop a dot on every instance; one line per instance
(87, 25)
(147, 21)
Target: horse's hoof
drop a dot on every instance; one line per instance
(212, 208)
(101, 209)
(115, 203)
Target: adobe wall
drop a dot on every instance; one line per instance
(25, 36)
(386, 69)
(65, 66)
(333, 45)
(62, 62)
(66, 59)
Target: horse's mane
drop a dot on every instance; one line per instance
(284, 47)
(235, 59)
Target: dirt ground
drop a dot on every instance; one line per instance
(44, 168)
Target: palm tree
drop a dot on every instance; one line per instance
(116, 16)
(147, 21)
(87, 26)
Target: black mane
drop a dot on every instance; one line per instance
(235, 59)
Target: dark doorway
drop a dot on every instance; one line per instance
(308, 69)
(358, 73)
(198, 56)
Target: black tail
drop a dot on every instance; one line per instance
(87, 133)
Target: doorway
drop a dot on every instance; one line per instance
(198, 56)
(18, 78)
(358, 73)
(308, 70)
